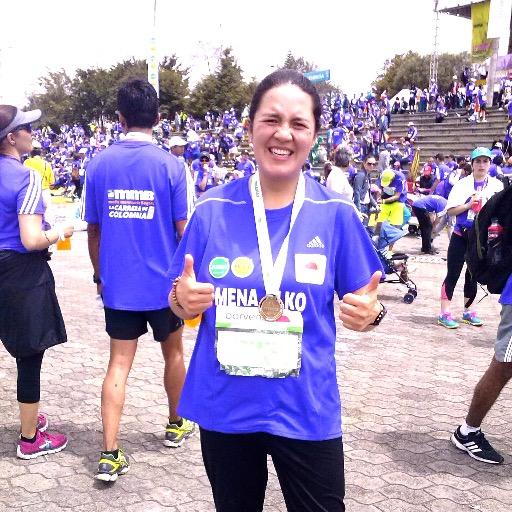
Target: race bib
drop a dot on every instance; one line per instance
(249, 346)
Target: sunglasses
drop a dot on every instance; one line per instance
(371, 163)
(26, 127)
(205, 160)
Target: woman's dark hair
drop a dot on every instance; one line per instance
(497, 160)
(282, 77)
(138, 102)
(327, 169)
(341, 159)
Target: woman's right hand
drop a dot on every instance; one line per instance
(194, 297)
(66, 228)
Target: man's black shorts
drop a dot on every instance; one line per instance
(129, 325)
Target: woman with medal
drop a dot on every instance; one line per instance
(466, 199)
(261, 260)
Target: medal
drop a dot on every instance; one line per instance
(271, 308)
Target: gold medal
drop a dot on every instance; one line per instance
(271, 308)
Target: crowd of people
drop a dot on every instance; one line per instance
(256, 263)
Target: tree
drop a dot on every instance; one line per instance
(303, 66)
(221, 90)
(411, 68)
(55, 101)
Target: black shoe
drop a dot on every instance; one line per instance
(432, 252)
(476, 446)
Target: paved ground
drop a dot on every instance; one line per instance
(405, 387)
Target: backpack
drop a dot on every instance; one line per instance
(491, 264)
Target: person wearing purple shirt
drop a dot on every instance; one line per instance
(429, 210)
(348, 121)
(245, 165)
(287, 406)
(30, 317)
(468, 436)
(136, 204)
(202, 169)
(466, 198)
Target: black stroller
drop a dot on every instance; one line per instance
(394, 264)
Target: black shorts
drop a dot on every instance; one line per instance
(130, 325)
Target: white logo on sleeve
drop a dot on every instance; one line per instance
(316, 243)
(310, 268)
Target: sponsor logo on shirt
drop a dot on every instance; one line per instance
(219, 267)
(131, 204)
(242, 266)
(310, 268)
(316, 243)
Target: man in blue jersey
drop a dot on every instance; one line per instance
(246, 166)
(136, 205)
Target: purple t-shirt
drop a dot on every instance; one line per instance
(432, 203)
(221, 230)
(136, 192)
(20, 194)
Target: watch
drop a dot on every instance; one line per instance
(96, 279)
(381, 315)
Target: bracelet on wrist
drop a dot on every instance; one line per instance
(174, 297)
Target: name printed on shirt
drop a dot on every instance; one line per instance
(243, 297)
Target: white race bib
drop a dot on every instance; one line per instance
(247, 345)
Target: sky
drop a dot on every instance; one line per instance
(352, 38)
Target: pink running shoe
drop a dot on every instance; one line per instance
(44, 444)
(42, 422)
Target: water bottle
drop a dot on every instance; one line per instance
(494, 231)
(494, 242)
(477, 205)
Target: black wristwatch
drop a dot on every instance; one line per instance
(381, 315)
(96, 279)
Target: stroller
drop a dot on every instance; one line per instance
(394, 264)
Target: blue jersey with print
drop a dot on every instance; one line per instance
(20, 194)
(136, 192)
(304, 407)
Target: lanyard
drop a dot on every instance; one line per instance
(273, 272)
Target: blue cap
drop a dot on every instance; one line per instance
(480, 151)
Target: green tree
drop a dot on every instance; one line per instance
(221, 90)
(411, 68)
(55, 100)
(303, 66)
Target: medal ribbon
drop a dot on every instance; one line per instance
(273, 272)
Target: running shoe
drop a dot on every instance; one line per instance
(175, 435)
(446, 320)
(44, 444)
(110, 467)
(477, 446)
(42, 422)
(469, 317)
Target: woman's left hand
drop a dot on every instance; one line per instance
(360, 309)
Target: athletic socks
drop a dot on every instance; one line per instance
(466, 429)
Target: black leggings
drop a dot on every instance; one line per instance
(311, 473)
(29, 378)
(455, 262)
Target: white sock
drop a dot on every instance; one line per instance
(466, 429)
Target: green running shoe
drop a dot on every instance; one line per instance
(446, 320)
(109, 468)
(469, 317)
(175, 435)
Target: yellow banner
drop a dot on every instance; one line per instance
(413, 173)
(481, 47)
